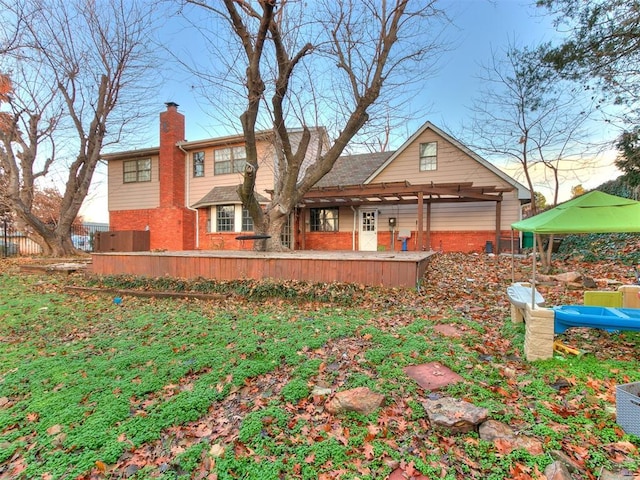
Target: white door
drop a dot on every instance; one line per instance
(368, 230)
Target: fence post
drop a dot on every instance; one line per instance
(5, 244)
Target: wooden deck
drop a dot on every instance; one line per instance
(386, 269)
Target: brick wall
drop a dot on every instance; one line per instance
(466, 242)
(171, 165)
(129, 219)
(472, 241)
(225, 241)
(170, 228)
(166, 225)
(329, 241)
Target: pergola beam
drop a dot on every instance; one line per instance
(397, 192)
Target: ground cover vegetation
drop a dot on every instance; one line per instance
(166, 388)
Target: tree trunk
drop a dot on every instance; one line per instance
(545, 254)
(54, 241)
(275, 223)
(60, 245)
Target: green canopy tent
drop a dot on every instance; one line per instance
(593, 212)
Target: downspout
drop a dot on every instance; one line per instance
(187, 192)
(353, 230)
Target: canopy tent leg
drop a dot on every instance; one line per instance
(513, 263)
(533, 274)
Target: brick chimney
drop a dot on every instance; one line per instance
(171, 159)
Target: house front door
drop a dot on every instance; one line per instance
(368, 230)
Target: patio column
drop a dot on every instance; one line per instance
(428, 226)
(498, 223)
(420, 220)
(301, 221)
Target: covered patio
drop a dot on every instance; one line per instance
(405, 193)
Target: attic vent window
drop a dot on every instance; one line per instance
(428, 156)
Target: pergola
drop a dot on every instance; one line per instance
(404, 193)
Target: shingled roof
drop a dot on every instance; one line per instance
(224, 195)
(353, 169)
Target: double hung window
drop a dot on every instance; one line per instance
(137, 170)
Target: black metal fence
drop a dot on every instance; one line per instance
(14, 242)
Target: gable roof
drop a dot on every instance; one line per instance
(224, 195)
(353, 169)
(523, 192)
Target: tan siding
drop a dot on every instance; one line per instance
(199, 187)
(132, 196)
(453, 166)
(444, 217)
(345, 220)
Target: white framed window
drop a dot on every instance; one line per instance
(324, 219)
(225, 218)
(198, 164)
(137, 170)
(229, 160)
(428, 156)
(247, 221)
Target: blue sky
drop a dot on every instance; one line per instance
(480, 28)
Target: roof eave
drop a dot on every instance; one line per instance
(142, 152)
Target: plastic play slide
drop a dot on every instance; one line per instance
(606, 318)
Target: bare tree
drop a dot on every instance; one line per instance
(77, 72)
(600, 47)
(316, 63)
(26, 128)
(527, 115)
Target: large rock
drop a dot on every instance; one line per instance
(361, 400)
(560, 456)
(455, 416)
(506, 440)
(624, 475)
(568, 277)
(557, 471)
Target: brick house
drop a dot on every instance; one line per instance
(431, 193)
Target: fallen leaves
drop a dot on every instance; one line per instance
(397, 437)
(32, 417)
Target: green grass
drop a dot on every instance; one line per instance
(86, 384)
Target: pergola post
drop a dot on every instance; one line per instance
(498, 223)
(429, 225)
(420, 220)
(301, 228)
